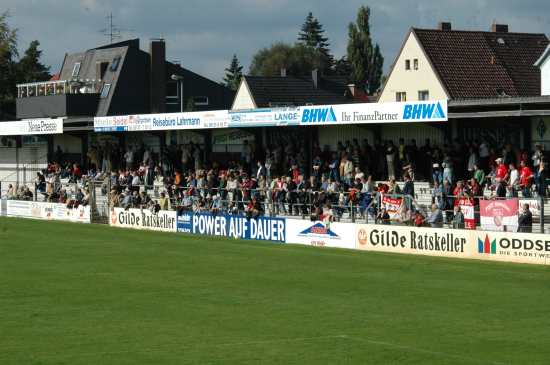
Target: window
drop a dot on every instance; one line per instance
(105, 91)
(101, 69)
(401, 96)
(407, 64)
(172, 91)
(200, 100)
(415, 63)
(114, 64)
(76, 69)
(423, 95)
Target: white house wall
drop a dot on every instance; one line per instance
(243, 99)
(545, 77)
(412, 81)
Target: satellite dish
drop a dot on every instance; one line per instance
(501, 41)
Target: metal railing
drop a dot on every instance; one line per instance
(44, 88)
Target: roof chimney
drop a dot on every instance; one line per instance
(157, 53)
(283, 72)
(445, 26)
(315, 78)
(499, 28)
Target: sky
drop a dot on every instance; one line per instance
(203, 35)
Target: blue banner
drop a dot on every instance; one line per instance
(236, 226)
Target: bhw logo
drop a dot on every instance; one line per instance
(487, 246)
(423, 111)
(318, 115)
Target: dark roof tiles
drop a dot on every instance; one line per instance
(473, 64)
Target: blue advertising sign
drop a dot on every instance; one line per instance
(236, 226)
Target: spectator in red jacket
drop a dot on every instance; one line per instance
(525, 179)
(502, 170)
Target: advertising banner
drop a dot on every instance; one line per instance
(339, 235)
(369, 113)
(235, 226)
(265, 117)
(392, 206)
(143, 219)
(467, 208)
(32, 127)
(166, 121)
(414, 240)
(499, 215)
(481, 245)
(48, 211)
(358, 113)
(528, 248)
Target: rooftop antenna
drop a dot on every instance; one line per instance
(113, 32)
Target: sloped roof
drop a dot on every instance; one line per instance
(267, 90)
(474, 64)
(543, 57)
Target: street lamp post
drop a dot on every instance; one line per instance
(179, 79)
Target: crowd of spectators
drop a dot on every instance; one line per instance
(278, 180)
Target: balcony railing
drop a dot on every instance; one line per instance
(45, 88)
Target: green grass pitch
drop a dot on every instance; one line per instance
(88, 294)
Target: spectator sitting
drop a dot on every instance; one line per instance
(418, 219)
(164, 202)
(435, 219)
(382, 217)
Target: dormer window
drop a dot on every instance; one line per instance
(76, 69)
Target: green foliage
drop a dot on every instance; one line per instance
(297, 59)
(8, 56)
(233, 74)
(29, 68)
(312, 35)
(90, 294)
(365, 58)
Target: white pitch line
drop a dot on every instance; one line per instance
(424, 351)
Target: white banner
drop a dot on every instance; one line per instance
(493, 246)
(381, 113)
(359, 113)
(31, 127)
(166, 121)
(339, 235)
(48, 211)
(144, 219)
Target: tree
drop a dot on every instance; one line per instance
(342, 67)
(29, 68)
(298, 60)
(311, 35)
(233, 74)
(8, 54)
(365, 58)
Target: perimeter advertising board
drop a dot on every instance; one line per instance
(47, 211)
(233, 226)
(413, 240)
(303, 232)
(492, 246)
(32, 127)
(143, 219)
